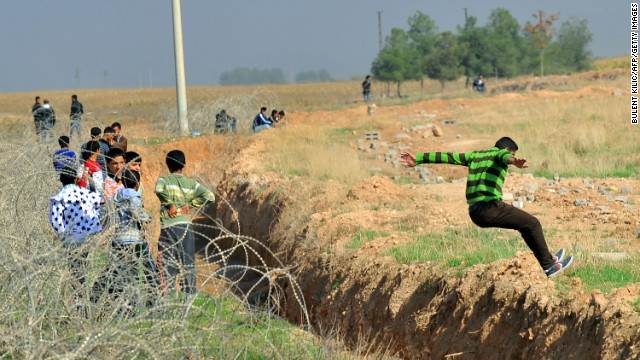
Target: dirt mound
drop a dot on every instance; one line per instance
(375, 190)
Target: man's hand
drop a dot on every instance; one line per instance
(408, 159)
(172, 211)
(519, 163)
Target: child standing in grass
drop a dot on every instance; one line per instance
(487, 170)
(176, 246)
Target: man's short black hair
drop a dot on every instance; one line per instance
(92, 148)
(109, 130)
(281, 113)
(506, 142)
(37, 98)
(132, 156)
(95, 132)
(175, 160)
(130, 178)
(263, 109)
(274, 112)
(112, 154)
(63, 141)
(116, 125)
(74, 97)
(68, 175)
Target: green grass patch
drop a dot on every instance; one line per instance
(460, 247)
(363, 237)
(606, 275)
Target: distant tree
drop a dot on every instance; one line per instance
(422, 33)
(505, 47)
(247, 76)
(313, 76)
(395, 62)
(445, 62)
(571, 51)
(541, 34)
(476, 40)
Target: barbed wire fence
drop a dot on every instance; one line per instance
(52, 308)
(202, 115)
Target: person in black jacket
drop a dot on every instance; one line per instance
(38, 118)
(76, 116)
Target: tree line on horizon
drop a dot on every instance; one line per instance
(501, 48)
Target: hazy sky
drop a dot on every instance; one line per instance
(43, 43)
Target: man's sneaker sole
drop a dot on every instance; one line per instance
(558, 267)
(559, 255)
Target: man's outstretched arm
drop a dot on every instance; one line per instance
(411, 160)
(519, 163)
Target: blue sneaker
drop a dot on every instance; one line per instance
(558, 256)
(556, 268)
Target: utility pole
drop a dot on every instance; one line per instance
(78, 77)
(106, 79)
(181, 93)
(150, 79)
(380, 44)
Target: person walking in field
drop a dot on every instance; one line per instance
(176, 246)
(76, 116)
(487, 171)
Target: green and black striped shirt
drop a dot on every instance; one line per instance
(487, 170)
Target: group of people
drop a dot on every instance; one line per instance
(44, 117)
(262, 121)
(102, 190)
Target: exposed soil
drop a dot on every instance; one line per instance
(502, 310)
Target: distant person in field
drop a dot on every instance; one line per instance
(281, 114)
(38, 117)
(275, 117)
(49, 116)
(487, 171)
(478, 84)
(366, 88)
(225, 122)
(176, 246)
(119, 140)
(261, 121)
(76, 117)
(64, 157)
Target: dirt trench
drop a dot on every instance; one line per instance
(503, 310)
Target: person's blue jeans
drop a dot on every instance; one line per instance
(75, 125)
(257, 129)
(367, 96)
